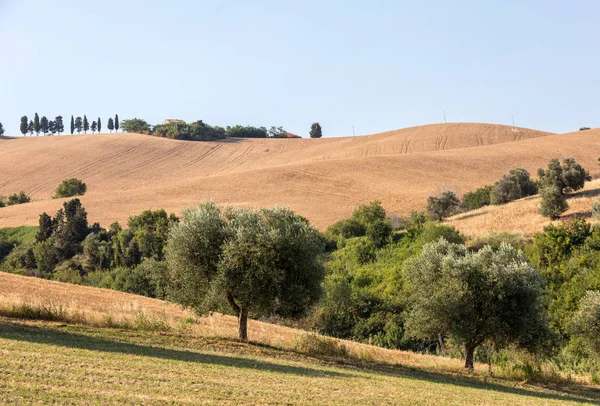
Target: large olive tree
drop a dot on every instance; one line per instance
(260, 262)
(490, 295)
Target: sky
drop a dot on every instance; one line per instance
(369, 65)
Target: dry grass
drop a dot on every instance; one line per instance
(521, 216)
(323, 179)
(191, 360)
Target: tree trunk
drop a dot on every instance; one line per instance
(243, 320)
(470, 350)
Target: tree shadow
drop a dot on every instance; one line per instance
(40, 335)
(467, 215)
(585, 193)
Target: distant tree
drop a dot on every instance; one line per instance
(52, 127)
(70, 187)
(277, 132)
(19, 198)
(474, 297)
(442, 206)
(24, 125)
(568, 177)
(59, 125)
(71, 228)
(86, 124)
(72, 125)
(136, 125)
(117, 124)
(553, 202)
(1, 130)
(584, 128)
(44, 126)
(315, 130)
(99, 125)
(94, 127)
(46, 227)
(248, 131)
(78, 125)
(36, 124)
(260, 262)
(513, 185)
(30, 127)
(479, 198)
(111, 125)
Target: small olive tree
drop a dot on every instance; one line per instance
(442, 206)
(586, 322)
(489, 295)
(514, 185)
(70, 187)
(260, 262)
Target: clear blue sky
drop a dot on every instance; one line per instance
(377, 65)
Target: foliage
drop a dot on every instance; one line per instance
(70, 187)
(198, 131)
(586, 322)
(78, 124)
(596, 209)
(371, 215)
(72, 124)
(13, 237)
(111, 124)
(36, 124)
(23, 127)
(584, 128)
(316, 131)
(70, 228)
(86, 124)
(261, 262)
(44, 125)
(99, 122)
(567, 178)
(15, 198)
(513, 185)
(442, 206)
(1, 130)
(314, 344)
(117, 122)
(488, 295)
(239, 131)
(59, 125)
(553, 202)
(135, 125)
(479, 198)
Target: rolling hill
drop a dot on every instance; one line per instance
(322, 179)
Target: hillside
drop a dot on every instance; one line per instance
(521, 216)
(323, 179)
(81, 359)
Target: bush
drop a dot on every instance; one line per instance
(70, 187)
(586, 322)
(442, 206)
(479, 198)
(314, 344)
(197, 131)
(17, 199)
(514, 185)
(566, 178)
(553, 203)
(239, 131)
(135, 125)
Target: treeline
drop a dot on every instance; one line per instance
(554, 184)
(200, 131)
(56, 127)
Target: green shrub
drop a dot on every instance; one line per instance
(566, 178)
(553, 202)
(19, 198)
(514, 185)
(70, 187)
(479, 198)
(586, 322)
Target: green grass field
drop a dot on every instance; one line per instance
(44, 362)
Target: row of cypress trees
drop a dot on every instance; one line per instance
(43, 125)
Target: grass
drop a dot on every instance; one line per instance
(11, 236)
(63, 343)
(46, 362)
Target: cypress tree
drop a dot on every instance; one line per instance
(72, 124)
(30, 127)
(99, 125)
(44, 125)
(58, 124)
(1, 130)
(315, 131)
(111, 125)
(94, 126)
(52, 127)
(78, 125)
(23, 127)
(116, 122)
(86, 124)
(36, 124)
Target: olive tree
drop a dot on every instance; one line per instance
(514, 185)
(442, 206)
(259, 262)
(586, 322)
(489, 295)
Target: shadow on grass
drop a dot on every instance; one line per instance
(468, 215)
(585, 193)
(40, 335)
